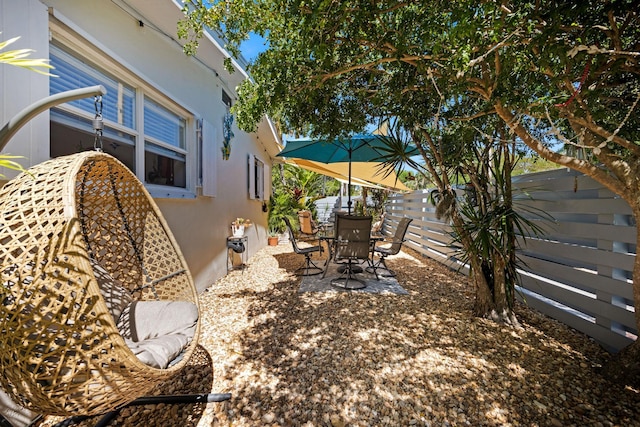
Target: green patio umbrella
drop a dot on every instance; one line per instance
(357, 148)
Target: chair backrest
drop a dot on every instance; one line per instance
(292, 236)
(306, 222)
(398, 237)
(353, 236)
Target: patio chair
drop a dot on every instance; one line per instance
(98, 305)
(308, 227)
(351, 246)
(389, 247)
(309, 268)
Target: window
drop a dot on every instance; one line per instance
(226, 99)
(257, 172)
(164, 157)
(71, 125)
(142, 128)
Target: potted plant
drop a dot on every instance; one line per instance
(272, 239)
(238, 226)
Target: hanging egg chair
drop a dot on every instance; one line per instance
(86, 261)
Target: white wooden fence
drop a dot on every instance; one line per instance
(579, 272)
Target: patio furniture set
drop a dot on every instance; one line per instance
(351, 243)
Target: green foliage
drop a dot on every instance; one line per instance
(294, 189)
(282, 205)
(493, 232)
(334, 67)
(6, 162)
(379, 198)
(20, 58)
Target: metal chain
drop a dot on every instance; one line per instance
(98, 124)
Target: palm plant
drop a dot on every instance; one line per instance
(20, 58)
(475, 160)
(490, 223)
(281, 205)
(294, 189)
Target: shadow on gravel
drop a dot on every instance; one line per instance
(351, 359)
(195, 378)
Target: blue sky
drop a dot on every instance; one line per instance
(252, 47)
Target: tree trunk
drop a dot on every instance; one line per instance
(365, 194)
(484, 305)
(499, 284)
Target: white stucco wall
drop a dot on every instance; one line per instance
(200, 224)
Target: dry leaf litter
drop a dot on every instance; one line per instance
(357, 359)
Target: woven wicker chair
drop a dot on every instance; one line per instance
(60, 350)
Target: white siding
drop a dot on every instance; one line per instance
(209, 165)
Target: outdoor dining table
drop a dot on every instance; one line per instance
(328, 236)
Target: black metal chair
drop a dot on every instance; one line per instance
(391, 247)
(310, 268)
(351, 246)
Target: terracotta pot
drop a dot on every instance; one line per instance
(272, 240)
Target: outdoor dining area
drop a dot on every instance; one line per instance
(350, 240)
(350, 253)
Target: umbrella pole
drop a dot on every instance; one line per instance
(349, 186)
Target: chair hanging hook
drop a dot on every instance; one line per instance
(98, 124)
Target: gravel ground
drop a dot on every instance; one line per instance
(346, 359)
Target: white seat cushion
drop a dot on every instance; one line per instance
(157, 331)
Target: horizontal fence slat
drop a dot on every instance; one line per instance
(564, 230)
(583, 302)
(575, 277)
(577, 255)
(582, 206)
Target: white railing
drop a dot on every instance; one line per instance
(579, 272)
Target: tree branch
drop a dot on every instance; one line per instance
(608, 136)
(583, 166)
(372, 64)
